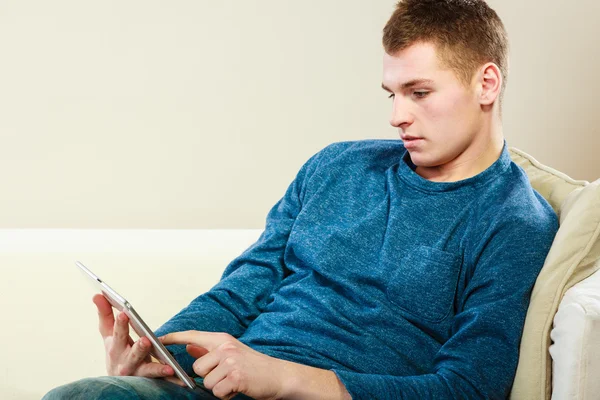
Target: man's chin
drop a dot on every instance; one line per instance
(420, 159)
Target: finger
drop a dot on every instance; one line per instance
(206, 363)
(139, 351)
(207, 340)
(106, 318)
(121, 333)
(175, 380)
(195, 351)
(154, 370)
(217, 381)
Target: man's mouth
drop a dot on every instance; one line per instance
(411, 141)
(409, 137)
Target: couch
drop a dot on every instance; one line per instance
(49, 327)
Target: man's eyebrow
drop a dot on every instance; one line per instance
(411, 83)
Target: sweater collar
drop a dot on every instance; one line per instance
(408, 174)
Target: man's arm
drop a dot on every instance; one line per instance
(309, 383)
(248, 281)
(479, 360)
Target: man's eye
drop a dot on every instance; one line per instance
(420, 95)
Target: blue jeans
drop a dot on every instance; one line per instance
(130, 388)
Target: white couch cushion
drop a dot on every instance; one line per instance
(575, 349)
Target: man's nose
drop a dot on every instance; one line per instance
(401, 115)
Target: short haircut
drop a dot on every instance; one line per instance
(466, 34)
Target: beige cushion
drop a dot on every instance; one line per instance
(571, 259)
(550, 183)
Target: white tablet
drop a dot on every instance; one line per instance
(139, 326)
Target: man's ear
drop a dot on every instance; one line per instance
(490, 83)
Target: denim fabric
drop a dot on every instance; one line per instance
(129, 388)
(404, 287)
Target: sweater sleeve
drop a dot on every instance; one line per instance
(248, 281)
(479, 360)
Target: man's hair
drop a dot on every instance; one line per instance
(466, 33)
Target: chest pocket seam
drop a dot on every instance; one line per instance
(424, 283)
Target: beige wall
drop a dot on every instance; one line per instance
(198, 114)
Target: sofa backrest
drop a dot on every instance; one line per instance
(572, 258)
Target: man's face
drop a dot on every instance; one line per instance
(442, 114)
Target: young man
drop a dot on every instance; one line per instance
(389, 269)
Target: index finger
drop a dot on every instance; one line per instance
(196, 338)
(106, 318)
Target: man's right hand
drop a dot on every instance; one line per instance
(123, 356)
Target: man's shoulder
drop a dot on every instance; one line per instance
(514, 202)
(367, 145)
(361, 151)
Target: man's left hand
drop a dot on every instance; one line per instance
(230, 367)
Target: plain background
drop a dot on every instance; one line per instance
(198, 114)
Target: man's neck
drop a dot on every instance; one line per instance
(473, 161)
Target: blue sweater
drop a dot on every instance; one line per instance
(404, 287)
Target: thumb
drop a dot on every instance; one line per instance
(195, 351)
(106, 318)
